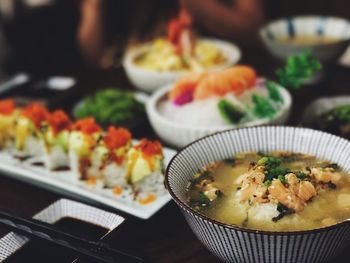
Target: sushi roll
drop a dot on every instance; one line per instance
(83, 139)
(29, 135)
(8, 116)
(56, 138)
(145, 170)
(111, 158)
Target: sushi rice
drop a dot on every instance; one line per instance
(28, 135)
(56, 138)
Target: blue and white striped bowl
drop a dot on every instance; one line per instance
(235, 244)
(310, 26)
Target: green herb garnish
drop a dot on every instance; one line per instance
(111, 106)
(300, 175)
(269, 161)
(200, 200)
(336, 121)
(273, 170)
(282, 178)
(206, 175)
(283, 211)
(230, 112)
(267, 183)
(262, 107)
(273, 89)
(274, 173)
(297, 69)
(343, 113)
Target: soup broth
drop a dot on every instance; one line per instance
(276, 192)
(307, 40)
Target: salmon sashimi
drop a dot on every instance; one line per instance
(248, 74)
(295, 194)
(236, 79)
(326, 175)
(201, 86)
(253, 189)
(185, 85)
(285, 196)
(306, 191)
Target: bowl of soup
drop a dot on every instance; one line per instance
(326, 37)
(265, 194)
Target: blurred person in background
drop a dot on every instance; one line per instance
(237, 20)
(52, 36)
(231, 19)
(65, 36)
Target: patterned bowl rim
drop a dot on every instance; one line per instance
(152, 109)
(264, 28)
(190, 210)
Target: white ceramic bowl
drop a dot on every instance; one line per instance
(149, 81)
(311, 26)
(178, 135)
(231, 243)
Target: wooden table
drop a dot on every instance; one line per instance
(165, 237)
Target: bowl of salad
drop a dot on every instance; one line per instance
(164, 60)
(113, 107)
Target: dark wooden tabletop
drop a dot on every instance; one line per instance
(165, 237)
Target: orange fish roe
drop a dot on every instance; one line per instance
(36, 113)
(149, 199)
(59, 121)
(91, 181)
(116, 138)
(7, 107)
(149, 148)
(117, 190)
(87, 126)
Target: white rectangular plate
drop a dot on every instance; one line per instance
(62, 208)
(57, 181)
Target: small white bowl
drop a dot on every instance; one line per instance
(179, 135)
(310, 26)
(149, 80)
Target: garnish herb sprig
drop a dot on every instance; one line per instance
(274, 170)
(229, 112)
(297, 69)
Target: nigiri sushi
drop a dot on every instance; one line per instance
(28, 135)
(56, 138)
(8, 115)
(145, 167)
(83, 139)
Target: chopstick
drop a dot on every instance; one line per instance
(96, 251)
